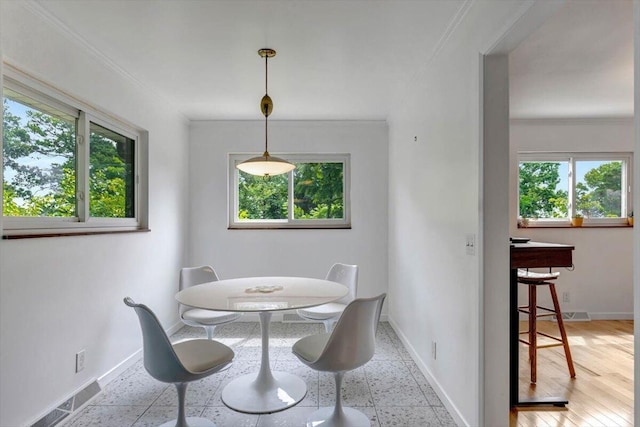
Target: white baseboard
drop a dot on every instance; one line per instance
(595, 316)
(117, 370)
(611, 316)
(444, 397)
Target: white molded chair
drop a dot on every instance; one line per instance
(178, 363)
(330, 313)
(208, 319)
(349, 346)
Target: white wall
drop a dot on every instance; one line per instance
(494, 233)
(602, 282)
(434, 202)
(61, 295)
(237, 253)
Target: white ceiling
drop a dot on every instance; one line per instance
(335, 59)
(578, 64)
(343, 59)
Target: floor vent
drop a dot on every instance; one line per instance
(293, 318)
(575, 316)
(54, 417)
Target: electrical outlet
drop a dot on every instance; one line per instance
(434, 350)
(566, 297)
(79, 361)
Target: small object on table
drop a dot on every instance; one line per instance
(265, 289)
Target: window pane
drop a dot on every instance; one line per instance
(262, 198)
(598, 188)
(544, 189)
(318, 191)
(111, 174)
(39, 159)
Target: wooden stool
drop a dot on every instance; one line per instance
(533, 280)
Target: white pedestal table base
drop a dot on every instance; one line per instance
(191, 422)
(246, 394)
(267, 391)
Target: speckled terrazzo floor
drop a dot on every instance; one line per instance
(390, 389)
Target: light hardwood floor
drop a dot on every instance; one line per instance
(602, 392)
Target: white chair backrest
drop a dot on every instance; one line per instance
(353, 340)
(160, 360)
(191, 276)
(346, 275)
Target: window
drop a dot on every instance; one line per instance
(54, 182)
(553, 187)
(314, 195)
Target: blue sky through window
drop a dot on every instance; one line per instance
(40, 161)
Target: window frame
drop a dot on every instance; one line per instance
(290, 222)
(571, 158)
(82, 223)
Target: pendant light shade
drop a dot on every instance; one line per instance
(266, 165)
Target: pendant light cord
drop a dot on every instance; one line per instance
(266, 73)
(266, 107)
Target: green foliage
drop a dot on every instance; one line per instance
(42, 138)
(318, 193)
(11, 208)
(110, 176)
(262, 198)
(318, 190)
(39, 158)
(600, 195)
(539, 196)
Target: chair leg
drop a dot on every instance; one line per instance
(182, 417)
(328, 324)
(338, 416)
(533, 332)
(209, 330)
(183, 420)
(563, 333)
(338, 413)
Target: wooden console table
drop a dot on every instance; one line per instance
(530, 255)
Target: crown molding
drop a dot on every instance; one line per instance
(39, 10)
(455, 22)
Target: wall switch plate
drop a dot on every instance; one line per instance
(471, 244)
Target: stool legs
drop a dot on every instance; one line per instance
(533, 331)
(563, 333)
(532, 312)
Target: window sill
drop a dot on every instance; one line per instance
(70, 233)
(290, 227)
(582, 226)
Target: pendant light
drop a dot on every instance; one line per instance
(266, 165)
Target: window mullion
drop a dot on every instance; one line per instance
(625, 186)
(572, 187)
(290, 215)
(82, 168)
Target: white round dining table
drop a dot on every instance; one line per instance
(267, 391)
